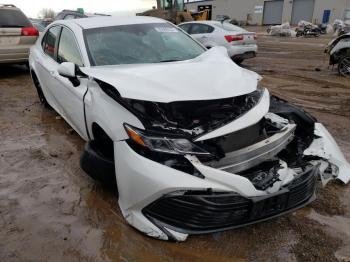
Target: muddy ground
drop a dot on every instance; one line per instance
(50, 210)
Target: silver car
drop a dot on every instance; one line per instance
(240, 44)
(17, 35)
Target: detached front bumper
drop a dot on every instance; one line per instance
(169, 204)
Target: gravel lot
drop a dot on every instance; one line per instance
(50, 210)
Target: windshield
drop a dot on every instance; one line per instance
(138, 44)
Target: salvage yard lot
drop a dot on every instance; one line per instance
(50, 210)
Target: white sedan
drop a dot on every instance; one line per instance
(190, 141)
(240, 43)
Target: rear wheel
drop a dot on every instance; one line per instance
(344, 66)
(39, 90)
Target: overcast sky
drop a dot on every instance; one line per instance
(32, 7)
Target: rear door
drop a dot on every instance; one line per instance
(47, 66)
(12, 43)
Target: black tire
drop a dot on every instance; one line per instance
(39, 90)
(98, 166)
(344, 66)
(238, 61)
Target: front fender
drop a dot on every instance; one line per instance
(107, 113)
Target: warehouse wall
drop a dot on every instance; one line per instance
(240, 10)
(287, 11)
(244, 9)
(337, 9)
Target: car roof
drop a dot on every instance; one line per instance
(105, 21)
(208, 22)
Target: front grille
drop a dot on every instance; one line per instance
(193, 213)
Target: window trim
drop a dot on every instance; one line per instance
(54, 58)
(76, 42)
(201, 24)
(189, 28)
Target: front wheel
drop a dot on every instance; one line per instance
(238, 61)
(344, 66)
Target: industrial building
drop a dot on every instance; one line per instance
(269, 12)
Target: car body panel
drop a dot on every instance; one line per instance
(248, 119)
(156, 86)
(326, 147)
(143, 180)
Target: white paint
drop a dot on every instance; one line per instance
(326, 148)
(195, 79)
(248, 119)
(140, 180)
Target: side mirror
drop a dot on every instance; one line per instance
(68, 70)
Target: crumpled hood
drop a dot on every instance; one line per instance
(212, 75)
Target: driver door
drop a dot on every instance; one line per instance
(70, 98)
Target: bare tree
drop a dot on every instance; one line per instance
(47, 13)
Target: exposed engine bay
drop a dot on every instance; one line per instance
(260, 152)
(255, 154)
(193, 118)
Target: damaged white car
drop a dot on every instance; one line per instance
(339, 54)
(192, 143)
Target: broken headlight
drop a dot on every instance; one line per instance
(158, 143)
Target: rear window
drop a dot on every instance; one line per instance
(13, 18)
(233, 28)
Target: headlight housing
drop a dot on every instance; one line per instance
(163, 144)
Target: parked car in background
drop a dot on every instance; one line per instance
(38, 25)
(239, 43)
(191, 141)
(339, 54)
(69, 14)
(17, 35)
(72, 14)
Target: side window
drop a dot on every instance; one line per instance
(186, 27)
(68, 50)
(50, 39)
(201, 29)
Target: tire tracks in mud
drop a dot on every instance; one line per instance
(310, 92)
